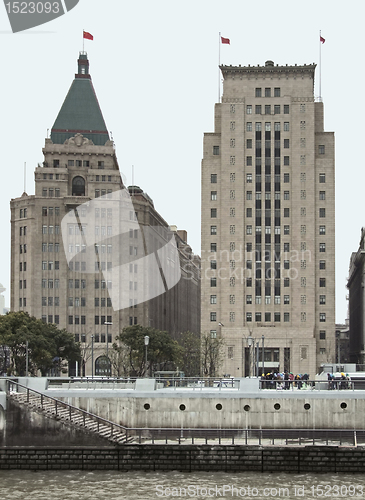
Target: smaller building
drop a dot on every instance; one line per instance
(356, 284)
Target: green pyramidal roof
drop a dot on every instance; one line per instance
(80, 112)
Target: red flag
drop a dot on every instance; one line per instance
(225, 40)
(321, 39)
(88, 36)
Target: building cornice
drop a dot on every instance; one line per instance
(268, 70)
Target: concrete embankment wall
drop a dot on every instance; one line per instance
(189, 458)
(20, 426)
(271, 410)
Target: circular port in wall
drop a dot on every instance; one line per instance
(277, 406)
(218, 406)
(182, 407)
(146, 406)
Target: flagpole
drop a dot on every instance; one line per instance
(320, 67)
(219, 63)
(83, 41)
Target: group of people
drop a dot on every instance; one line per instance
(286, 380)
(338, 381)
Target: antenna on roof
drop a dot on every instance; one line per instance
(25, 177)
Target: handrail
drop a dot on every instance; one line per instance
(70, 407)
(307, 385)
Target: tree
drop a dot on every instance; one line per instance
(191, 344)
(211, 354)
(48, 346)
(161, 350)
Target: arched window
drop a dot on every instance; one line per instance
(78, 186)
(102, 366)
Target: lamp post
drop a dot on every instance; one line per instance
(26, 358)
(146, 342)
(107, 323)
(250, 341)
(257, 359)
(263, 354)
(92, 356)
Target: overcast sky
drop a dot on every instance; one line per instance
(154, 68)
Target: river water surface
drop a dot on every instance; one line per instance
(81, 485)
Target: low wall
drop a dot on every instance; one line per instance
(21, 426)
(266, 410)
(189, 458)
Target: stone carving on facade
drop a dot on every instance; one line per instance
(78, 140)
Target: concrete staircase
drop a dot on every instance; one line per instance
(59, 410)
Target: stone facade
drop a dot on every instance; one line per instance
(268, 222)
(67, 251)
(355, 284)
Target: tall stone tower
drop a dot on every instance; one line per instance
(268, 223)
(78, 243)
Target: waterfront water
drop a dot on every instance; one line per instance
(105, 485)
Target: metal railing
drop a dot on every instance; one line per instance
(73, 411)
(308, 385)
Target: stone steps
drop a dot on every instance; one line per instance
(88, 422)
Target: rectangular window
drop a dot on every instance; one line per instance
(322, 195)
(277, 92)
(286, 143)
(257, 92)
(213, 230)
(249, 109)
(322, 212)
(258, 109)
(277, 109)
(322, 282)
(213, 178)
(267, 92)
(321, 149)
(322, 178)
(213, 299)
(286, 178)
(267, 109)
(286, 109)
(322, 334)
(249, 143)
(322, 300)
(322, 247)
(215, 150)
(286, 317)
(322, 264)
(213, 213)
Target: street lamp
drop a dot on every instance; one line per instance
(263, 354)
(107, 323)
(26, 358)
(92, 356)
(146, 342)
(250, 341)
